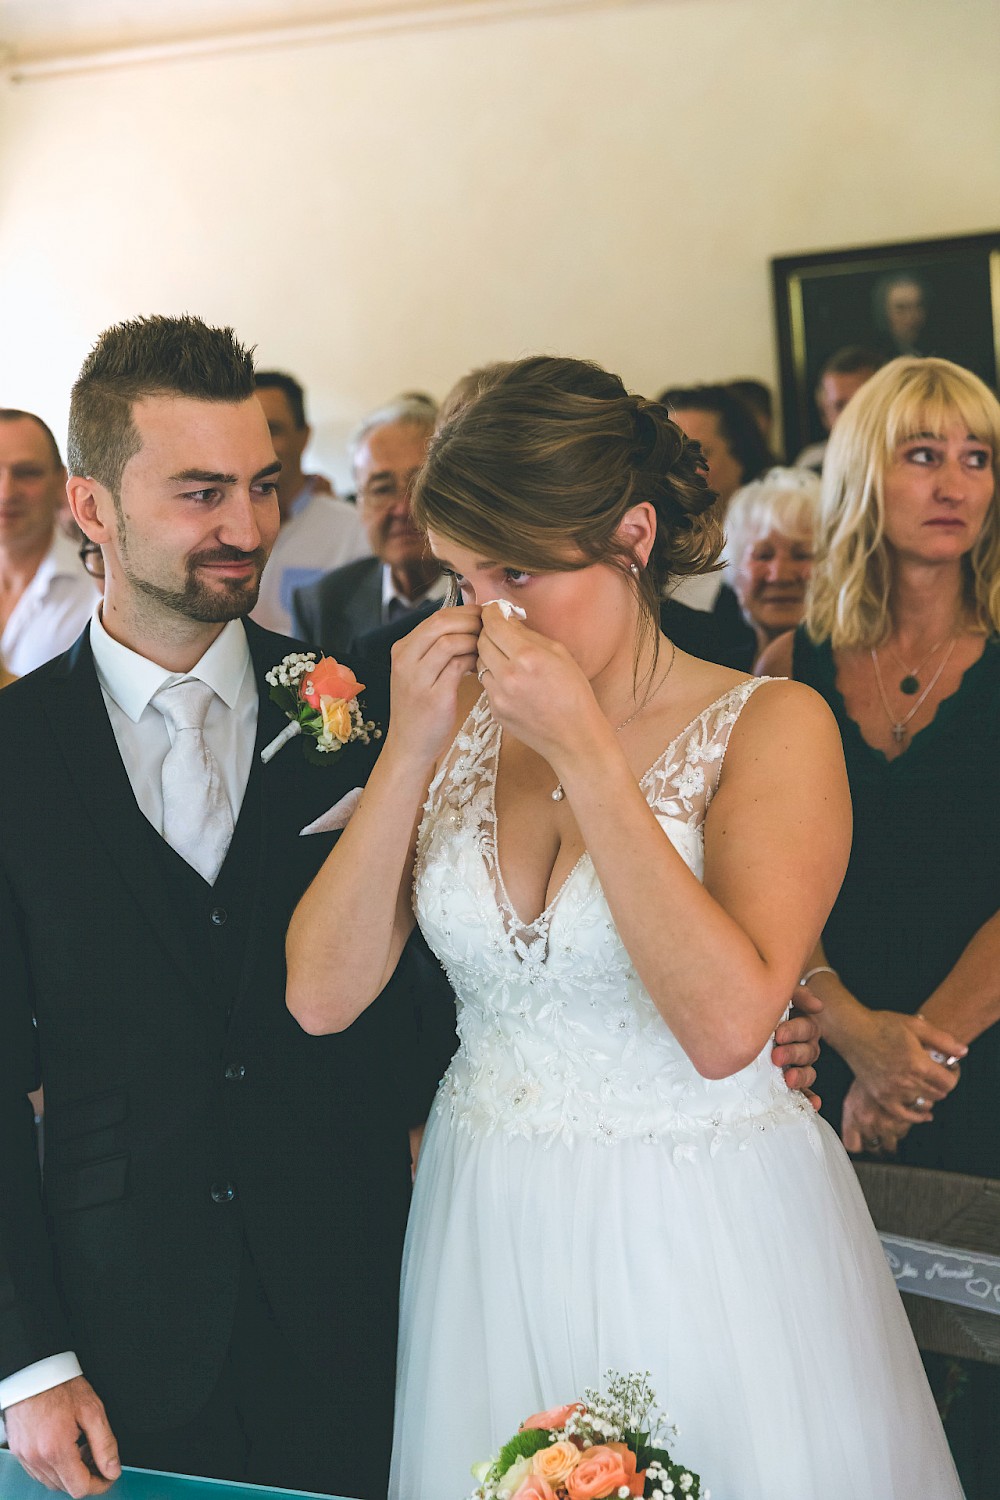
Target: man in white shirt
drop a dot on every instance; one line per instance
(387, 452)
(319, 531)
(46, 595)
(206, 1280)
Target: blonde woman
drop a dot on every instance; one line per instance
(622, 855)
(900, 639)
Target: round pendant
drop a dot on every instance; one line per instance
(909, 685)
(558, 794)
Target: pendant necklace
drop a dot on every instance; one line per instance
(898, 726)
(910, 683)
(559, 794)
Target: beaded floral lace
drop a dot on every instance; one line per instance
(559, 1038)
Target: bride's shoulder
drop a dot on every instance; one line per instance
(780, 719)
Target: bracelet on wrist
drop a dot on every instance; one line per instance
(819, 969)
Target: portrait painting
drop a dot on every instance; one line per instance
(929, 297)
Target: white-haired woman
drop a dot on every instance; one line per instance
(770, 530)
(901, 639)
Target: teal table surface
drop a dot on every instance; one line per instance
(147, 1484)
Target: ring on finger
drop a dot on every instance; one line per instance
(872, 1143)
(921, 1103)
(482, 673)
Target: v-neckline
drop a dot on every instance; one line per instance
(538, 926)
(944, 711)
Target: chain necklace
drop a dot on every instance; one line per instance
(559, 794)
(898, 726)
(910, 683)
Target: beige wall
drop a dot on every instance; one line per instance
(382, 213)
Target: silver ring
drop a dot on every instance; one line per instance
(921, 1103)
(873, 1143)
(482, 673)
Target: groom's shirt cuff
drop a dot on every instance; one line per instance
(39, 1377)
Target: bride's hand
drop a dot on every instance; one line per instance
(535, 688)
(427, 666)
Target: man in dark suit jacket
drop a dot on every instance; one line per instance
(340, 607)
(208, 1273)
(386, 451)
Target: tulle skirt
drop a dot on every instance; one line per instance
(750, 1284)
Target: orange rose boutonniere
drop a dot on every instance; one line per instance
(320, 699)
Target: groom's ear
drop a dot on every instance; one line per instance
(93, 507)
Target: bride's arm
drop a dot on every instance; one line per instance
(348, 931)
(720, 959)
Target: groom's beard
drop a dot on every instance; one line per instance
(199, 599)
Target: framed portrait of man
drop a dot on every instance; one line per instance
(939, 297)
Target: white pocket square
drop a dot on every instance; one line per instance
(338, 816)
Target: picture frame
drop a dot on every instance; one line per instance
(939, 296)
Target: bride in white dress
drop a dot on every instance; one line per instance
(622, 856)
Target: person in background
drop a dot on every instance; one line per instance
(760, 399)
(734, 450)
(46, 597)
(318, 530)
(840, 376)
(401, 576)
(770, 533)
(900, 638)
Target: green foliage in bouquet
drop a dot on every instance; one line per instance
(521, 1445)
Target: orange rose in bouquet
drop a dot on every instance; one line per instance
(547, 1420)
(607, 1446)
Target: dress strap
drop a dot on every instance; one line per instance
(683, 780)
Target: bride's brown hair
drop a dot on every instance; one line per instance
(546, 460)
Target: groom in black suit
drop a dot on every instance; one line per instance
(207, 1279)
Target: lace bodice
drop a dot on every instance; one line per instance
(558, 1037)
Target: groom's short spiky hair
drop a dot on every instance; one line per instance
(142, 357)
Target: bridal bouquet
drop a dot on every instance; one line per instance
(607, 1445)
(320, 698)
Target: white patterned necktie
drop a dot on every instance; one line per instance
(197, 818)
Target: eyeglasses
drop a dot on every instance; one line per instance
(92, 557)
(385, 492)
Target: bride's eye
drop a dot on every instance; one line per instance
(517, 577)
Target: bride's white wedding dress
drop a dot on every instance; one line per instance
(586, 1200)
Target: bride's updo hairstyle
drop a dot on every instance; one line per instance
(538, 468)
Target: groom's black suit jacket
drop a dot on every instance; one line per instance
(186, 1112)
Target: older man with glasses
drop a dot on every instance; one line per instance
(387, 451)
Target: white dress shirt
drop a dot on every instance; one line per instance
(128, 682)
(390, 593)
(51, 612)
(322, 532)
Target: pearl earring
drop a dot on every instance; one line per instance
(634, 569)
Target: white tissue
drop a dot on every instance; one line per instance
(336, 817)
(507, 609)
